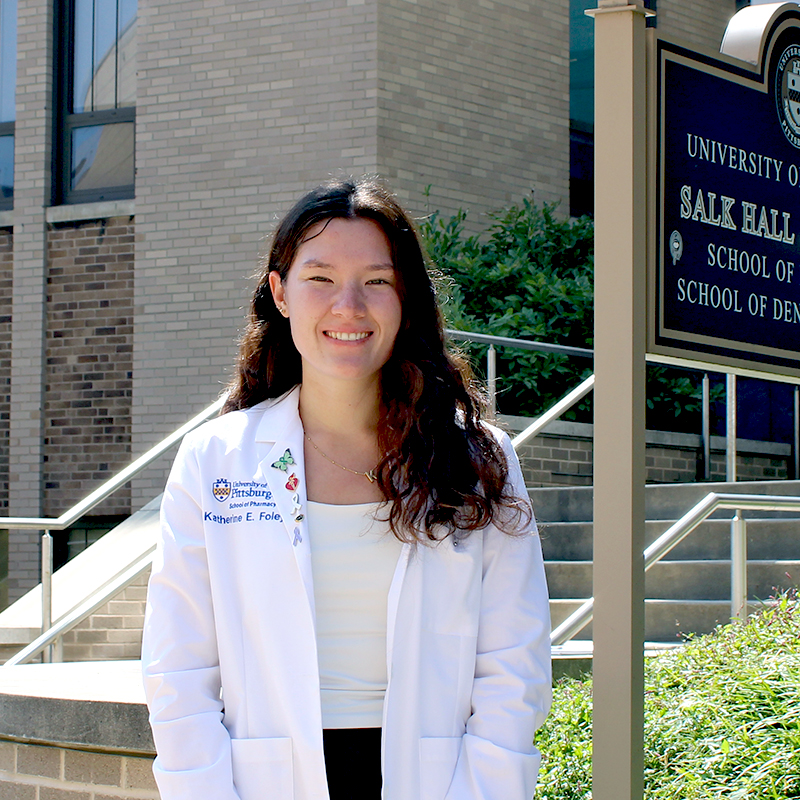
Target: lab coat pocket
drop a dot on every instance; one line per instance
(437, 763)
(263, 768)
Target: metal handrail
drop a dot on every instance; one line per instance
(562, 633)
(521, 344)
(582, 616)
(83, 610)
(526, 344)
(111, 485)
(554, 412)
(47, 524)
(545, 347)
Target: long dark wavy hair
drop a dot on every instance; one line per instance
(442, 472)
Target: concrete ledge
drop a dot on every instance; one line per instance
(96, 706)
(84, 211)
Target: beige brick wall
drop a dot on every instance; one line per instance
(241, 106)
(556, 461)
(700, 24)
(563, 457)
(89, 360)
(114, 631)
(38, 772)
(32, 161)
(253, 102)
(473, 99)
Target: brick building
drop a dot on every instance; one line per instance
(123, 286)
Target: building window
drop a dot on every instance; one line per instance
(8, 109)
(581, 104)
(97, 103)
(74, 540)
(581, 108)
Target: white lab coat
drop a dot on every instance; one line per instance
(229, 652)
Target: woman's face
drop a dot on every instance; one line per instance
(342, 300)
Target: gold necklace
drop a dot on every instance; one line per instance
(370, 475)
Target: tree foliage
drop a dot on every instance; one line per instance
(529, 275)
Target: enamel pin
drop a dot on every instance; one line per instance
(292, 482)
(285, 461)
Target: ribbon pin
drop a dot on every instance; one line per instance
(297, 537)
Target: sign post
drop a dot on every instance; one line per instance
(619, 398)
(697, 261)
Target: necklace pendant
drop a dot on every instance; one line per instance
(370, 476)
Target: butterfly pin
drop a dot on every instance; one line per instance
(284, 462)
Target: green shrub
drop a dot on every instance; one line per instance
(722, 718)
(529, 275)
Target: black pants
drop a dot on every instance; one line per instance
(353, 763)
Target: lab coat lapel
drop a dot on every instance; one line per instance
(283, 468)
(393, 602)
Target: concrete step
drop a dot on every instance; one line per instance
(666, 621)
(703, 579)
(766, 539)
(666, 501)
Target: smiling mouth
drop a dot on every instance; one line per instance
(348, 337)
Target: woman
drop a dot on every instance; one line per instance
(352, 451)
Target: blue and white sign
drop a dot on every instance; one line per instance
(726, 278)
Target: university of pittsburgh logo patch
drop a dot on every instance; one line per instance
(221, 489)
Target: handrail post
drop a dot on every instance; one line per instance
(706, 428)
(730, 434)
(491, 377)
(738, 566)
(47, 590)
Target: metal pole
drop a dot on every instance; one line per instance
(706, 428)
(738, 566)
(491, 376)
(730, 433)
(796, 451)
(47, 589)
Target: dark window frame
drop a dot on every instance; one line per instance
(7, 203)
(66, 122)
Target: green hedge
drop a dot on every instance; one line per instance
(529, 275)
(722, 718)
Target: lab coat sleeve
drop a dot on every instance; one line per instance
(180, 660)
(511, 691)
